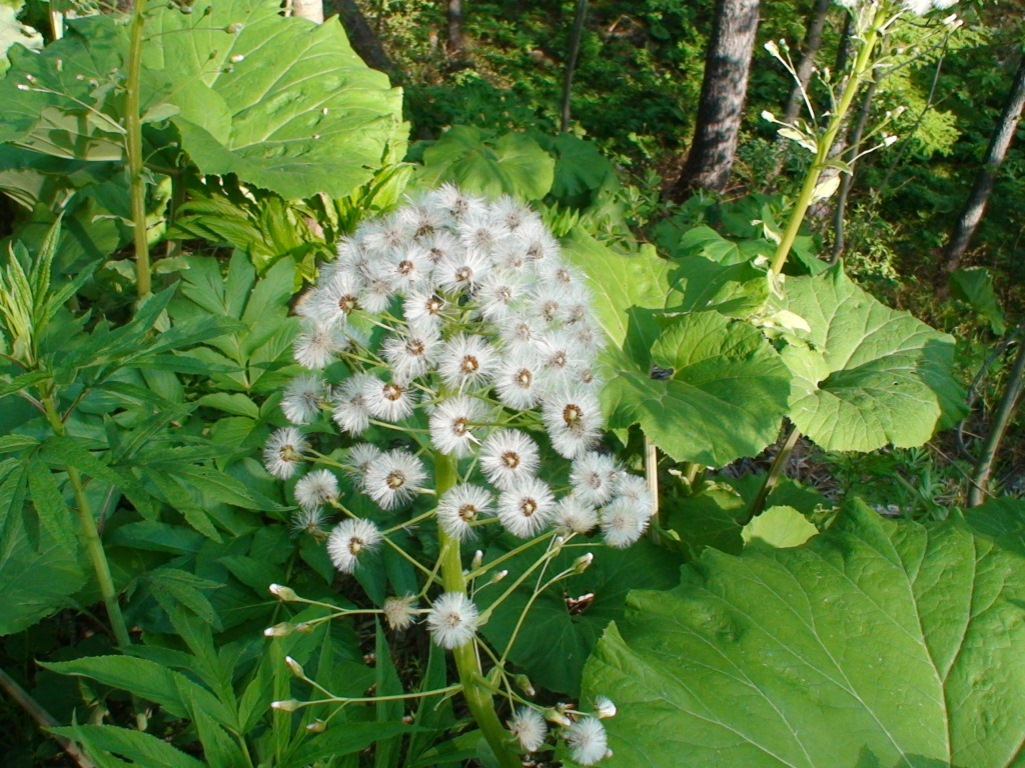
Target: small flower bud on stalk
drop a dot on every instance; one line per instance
(317, 726)
(283, 593)
(296, 667)
(284, 629)
(524, 684)
(582, 563)
(288, 705)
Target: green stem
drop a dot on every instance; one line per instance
(91, 538)
(477, 695)
(774, 472)
(133, 141)
(862, 67)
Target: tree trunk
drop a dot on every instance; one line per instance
(975, 206)
(809, 50)
(455, 28)
(309, 9)
(363, 39)
(727, 62)
(571, 59)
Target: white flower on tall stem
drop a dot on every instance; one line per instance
(518, 382)
(335, 299)
(349, 540)
(453, 620)
(462, 271)
(412, 354)
(283, 452)
(636, 491)
(424, 310)
(527, 508)
(400, 612)
(395, 479)
(460, 507)
(509, 457)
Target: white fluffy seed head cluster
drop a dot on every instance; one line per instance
(463, 310)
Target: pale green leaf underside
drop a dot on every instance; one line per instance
(876, 644)
(870, 375)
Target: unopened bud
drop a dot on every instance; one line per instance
(583, 562)
(288, 705)
(317, 726)
(284, 629)
(234, 28)
(557, 715)
(304, 627)
(889, 140)
(557, 543)
(499, 576)
(478, 560)
(283, 593)
(767, 115)
(603, 707)
(524, 684)
(295, 666)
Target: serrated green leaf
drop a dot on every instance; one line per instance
(284, 104)
(722, 392)
(233, 403)
(869, 375)
(35, 579)
(53, 511)
(12, 443)
(974, 285)
(151, 681)
(144, 749)
(513, 164)
(877, 643)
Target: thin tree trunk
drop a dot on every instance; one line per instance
(1008, 404)
(363, 39)
(847, 179)
(809, 50)
(455, 28)
(309, 9)
(723, 89)
(975, 206)
(571, 59)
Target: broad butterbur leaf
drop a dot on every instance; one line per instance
(877, 643)
(869, 375)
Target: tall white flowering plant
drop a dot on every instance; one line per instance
(454, 328)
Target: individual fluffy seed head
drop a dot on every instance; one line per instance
(350, 411)
(316, 345)
(593, 477)
(400, 612)
(395, 479)
(572, 416)
(460, 507)
(587, 740)
(574, 515)
(454, 425)
(309, 522)
(527, 508)
(410, 355)
(302, 398)
(453, 620)
(622, 522)
(349, 540)
(284, 451)
(508, 457)
(529, 727)
(518, 380)
(467, 362)
(362, 457)
(317, 488)
(388, 400)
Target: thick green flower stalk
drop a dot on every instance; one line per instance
(454, 330)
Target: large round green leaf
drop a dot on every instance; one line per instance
(719, 391)
(869, 375)
(284, 104)
(877, 643)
